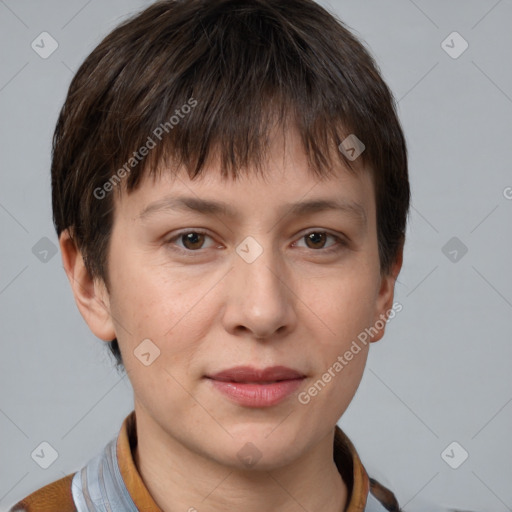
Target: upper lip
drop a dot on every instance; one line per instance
(250, 374)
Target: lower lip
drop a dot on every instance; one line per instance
(257, 395)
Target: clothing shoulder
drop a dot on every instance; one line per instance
(384, 496)
(53, 497)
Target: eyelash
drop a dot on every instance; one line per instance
(340, 242)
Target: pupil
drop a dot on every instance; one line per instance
(316, 237)
(192, 239)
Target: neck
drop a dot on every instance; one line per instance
(179, 480)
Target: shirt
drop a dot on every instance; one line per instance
(110, 482)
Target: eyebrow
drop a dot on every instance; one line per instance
(210, 207)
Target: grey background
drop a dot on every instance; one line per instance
(441, 373)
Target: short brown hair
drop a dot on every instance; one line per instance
(241, 67)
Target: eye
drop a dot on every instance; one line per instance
(191, 240)
(317, 239)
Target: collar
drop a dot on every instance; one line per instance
(111, 481)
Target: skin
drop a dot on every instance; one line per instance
(295, 305)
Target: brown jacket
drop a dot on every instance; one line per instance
(57, 496)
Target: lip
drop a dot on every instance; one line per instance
(254, 387)
(250, 374)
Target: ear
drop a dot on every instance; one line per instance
(385, 297)
(91, 295)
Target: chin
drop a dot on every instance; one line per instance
(264, 447)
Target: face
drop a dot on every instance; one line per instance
(281, 274)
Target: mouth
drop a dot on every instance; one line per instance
(248, 374)
(252, 387)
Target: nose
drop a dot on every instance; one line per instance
(260, 299)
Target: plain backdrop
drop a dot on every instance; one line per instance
(441, 375)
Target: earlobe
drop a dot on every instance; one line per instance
(385, 297)
(90, 294)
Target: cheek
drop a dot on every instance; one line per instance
(346, 304)
(169, 308)
(330, 392)
(340, 305)
(150, 299)
(344, 384)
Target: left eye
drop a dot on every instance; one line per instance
(317, 239)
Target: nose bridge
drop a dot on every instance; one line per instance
(259, 299)
(259, 268)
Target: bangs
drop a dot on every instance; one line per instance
(230, 78)
(237, 145)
